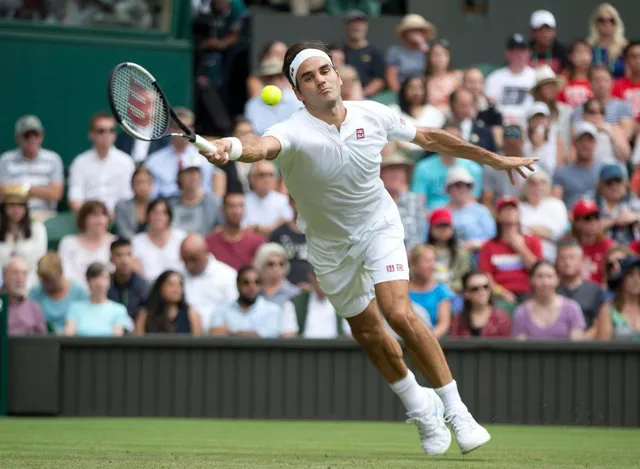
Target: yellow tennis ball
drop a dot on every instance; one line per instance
(271, 95)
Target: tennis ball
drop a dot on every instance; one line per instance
(271, 95)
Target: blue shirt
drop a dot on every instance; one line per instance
(262, 116)
(263, 317)
(96, 320)
(577, 182)
(429, 178)
(430, 300)
(473, 222)
(55, 311)
(164, 165)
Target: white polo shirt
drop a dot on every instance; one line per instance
(334, 176)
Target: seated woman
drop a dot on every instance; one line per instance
(99, 316)
(623, 313)
(543, 140)
(479, 318)
(131, 215)
(441, 78)
(547, 315)
(166, 310)
(55, 293)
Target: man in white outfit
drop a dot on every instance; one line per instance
(329, 155)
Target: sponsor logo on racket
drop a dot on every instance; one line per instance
(140, 102)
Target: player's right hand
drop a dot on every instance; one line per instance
(221, 156)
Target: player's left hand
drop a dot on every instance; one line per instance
(511, 163)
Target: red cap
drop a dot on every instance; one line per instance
(582, 208)
(440, 216)
(506, 200)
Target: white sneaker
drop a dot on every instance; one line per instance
(434, 434)
(469, 434)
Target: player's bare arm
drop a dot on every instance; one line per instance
(443, 142)
(253, 148)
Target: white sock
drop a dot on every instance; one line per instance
(450, 396)
(410, 393)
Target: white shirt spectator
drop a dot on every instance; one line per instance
(267, 210)
(550, 213)
(76, 258)
(30, 250)
(107, 180)
(155, 260)
(431, 117)
(322, 320)
(212, 289)
(510, 92)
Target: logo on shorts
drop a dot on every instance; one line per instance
(391, 268)
(359, 134)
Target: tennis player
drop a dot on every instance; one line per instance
(329, 156)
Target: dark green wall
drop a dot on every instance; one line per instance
(61, 75)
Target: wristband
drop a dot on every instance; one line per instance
(236, 148)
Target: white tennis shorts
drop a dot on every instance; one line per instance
(348, 275)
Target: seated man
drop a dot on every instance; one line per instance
(25, 315)
(127, 286)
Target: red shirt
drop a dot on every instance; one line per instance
(498, 325)
(635, 246)
(593, 268)
(625, 89)
(237, 254)
(505, 266)
(576, 92)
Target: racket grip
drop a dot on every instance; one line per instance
(204, 145)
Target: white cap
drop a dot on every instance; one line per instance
(458, 174)
(545, 73)
(190, 161)
(538, 108)
(584, 127)
(542, 18)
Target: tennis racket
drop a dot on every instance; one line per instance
(141, 108)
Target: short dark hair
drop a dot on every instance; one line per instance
(120, 242)
(541, 263)
(296, 49)
(97, 116)
(88, 208)
(454, 94)
(163, 201)
(229, 194)
(244, 269)
(628, 48)
(95, 270)
(598, 67)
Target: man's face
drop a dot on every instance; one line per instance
(357, 30)
(190, 179)
(263, 178)
(194, 261)
(569, 262)
(601, 83)
(103, 132)
(122, 259)
(585, 146)
(633, 60)
(234, 209)
(518, 57)
(394, 178)
(474, 81)
(30, 141)
(15, 279)
(463, 105)
(318, 84)
(544, 35)
(249, 285)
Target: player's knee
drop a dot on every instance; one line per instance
(399, 321)
(369, 337)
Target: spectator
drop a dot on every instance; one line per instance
(337, 55)
(587, 231)
(509, 86)
(395, 174)
(547, 315)
(543, 140)
(611, 266)
(194, 210)
(624, 311)
(131, 215)
(408, 58)
(452, 260)
(463, 113)
(430, 175)
(166, 310)
(19, 235)
(574, 181)
(545, 47)
(606, 36)
(265, 208)
(588, 295)
(487, 115)
(413, 107)
(442, 80)
(250, 315)
(98, 316)
(232, 244)
(473, 223)
(612, 145)
(364, 57)
(158, 248)
(102, 172)
(165, 163)
(508, 257)
(577, 88)
(496, 184)
(139, 150)
(294, 242)
(273, 266)
(209, 284)
(628, 87)
(37, 170)
(25, 315)
(351, 86)
(242, 128)
(543, 215)
(55, 293)
(427, 292)
(479, 317)
(262, 115)
(90, 245)
(127, 286)
(619, 209)
(273, 50)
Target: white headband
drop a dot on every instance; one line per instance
(301, 57)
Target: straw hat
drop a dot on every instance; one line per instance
(414, 21)
(396, 159)
(545, 74)
(15, 194)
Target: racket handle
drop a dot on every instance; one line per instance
(204, 145)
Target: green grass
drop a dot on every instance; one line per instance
(196, 444)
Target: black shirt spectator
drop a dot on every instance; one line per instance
(361, 55)
(132, 294)
(294, 243)
(545, 47)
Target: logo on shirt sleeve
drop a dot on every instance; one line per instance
(403, 123)
(359, 134)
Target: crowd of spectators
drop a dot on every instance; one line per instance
(167, 243)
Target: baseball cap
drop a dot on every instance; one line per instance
(517, 41)
(625, 266)
(506, 200)
(611, 171)
(441, 216)
(583, 208)
(354, 15)
(190, 161)
(542, 18)
(538, 108)
(584, 127)
(458, 174)
(28, 123)
(269, 67)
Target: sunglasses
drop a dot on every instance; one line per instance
(250, 282)
(30, 133)
(274, 264)
(476, 288)
(105, 130)
(512, 133)
(264, 175)
(603, 20)
(613, 182)
(442, 225)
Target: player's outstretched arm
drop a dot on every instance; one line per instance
(444, 143)
(254, 148)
